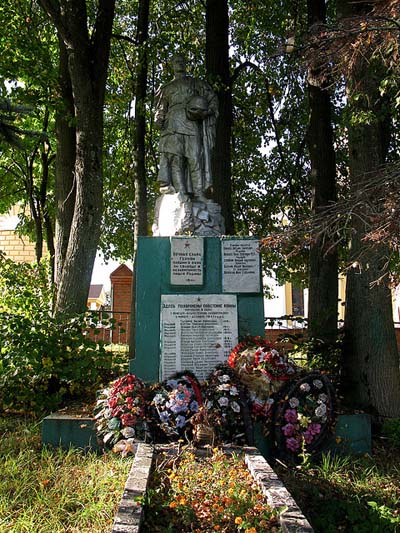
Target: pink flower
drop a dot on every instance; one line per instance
(291, 415)
(308, 436)
(289, 430)
(292, 444)
(314, 429)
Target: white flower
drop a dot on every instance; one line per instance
(236, 407)
(223, 402)
(318, 383)
(234, 391)
(320, 410)
(322, 398)
(209, 404)
(158, 398)
(224, 387)
(128, 432)
(270, 401)
(261, 356)
(224, 378)
(305, 387)
(293, 402)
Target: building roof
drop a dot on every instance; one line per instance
(121, 271)
(95, 291)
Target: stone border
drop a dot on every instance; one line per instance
(291, 519)
(130, 512)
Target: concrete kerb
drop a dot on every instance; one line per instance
(292, 519)
(130, 511)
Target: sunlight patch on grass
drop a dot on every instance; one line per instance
(54, 491)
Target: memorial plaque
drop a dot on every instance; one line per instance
(187, 257)
(240, 266)
(197, 332)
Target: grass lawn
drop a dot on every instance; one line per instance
(349, 494)
(54, 491)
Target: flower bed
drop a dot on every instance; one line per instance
(185, 489)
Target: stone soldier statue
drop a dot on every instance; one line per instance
(186, 113)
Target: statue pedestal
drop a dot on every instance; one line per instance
(188, 217)
(198, 321)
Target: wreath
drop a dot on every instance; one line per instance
(120, 411)
(173, 404)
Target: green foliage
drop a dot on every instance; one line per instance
(347, 493)
(391, 430)
(321, 356)
(44, 361)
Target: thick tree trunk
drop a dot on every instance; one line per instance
(371, 364)
(218, 73)
(87, 55)
(65, 189)
(84, 235)
(140, 186)
(323, 279)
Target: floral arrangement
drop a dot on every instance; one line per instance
(305, 415)
(120, 412)
(263, 370)
(174, 402)
(225, 407)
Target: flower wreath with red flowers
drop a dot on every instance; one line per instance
(262, 369)
(120, 412)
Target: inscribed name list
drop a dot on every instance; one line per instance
(197, 332)
(187, 260)
(241, 265)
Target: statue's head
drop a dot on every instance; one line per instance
(178, 63)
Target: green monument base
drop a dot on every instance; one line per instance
(153, 280)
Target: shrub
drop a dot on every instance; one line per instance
(43, 360)
(391, 430)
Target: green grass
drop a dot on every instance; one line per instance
(349, 494)
(53, 491)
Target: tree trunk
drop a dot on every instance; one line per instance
(88, 55)
(65, 189)
(323, 265)
(139, 184)
(371, 365)
(218, 73)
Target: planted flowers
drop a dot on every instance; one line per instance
(204, 494)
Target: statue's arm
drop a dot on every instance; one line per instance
(161, 109)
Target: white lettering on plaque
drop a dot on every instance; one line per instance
(240, 265)
(197, 332)
(187, 260)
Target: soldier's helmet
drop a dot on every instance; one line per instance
(197, 108)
